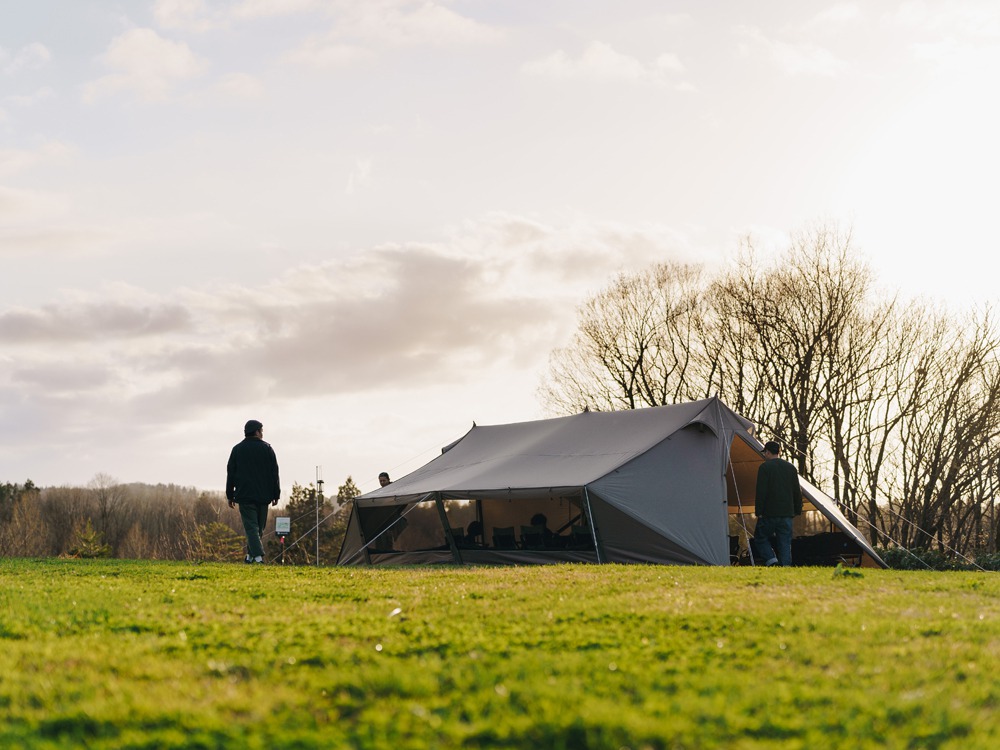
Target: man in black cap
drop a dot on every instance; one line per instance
(779, 499)
(252, 481)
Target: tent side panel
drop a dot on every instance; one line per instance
(678, 490)
(623, 539)
(352, 548)
(828, 507)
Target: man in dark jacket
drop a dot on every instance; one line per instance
(779, 499)
(252, 481)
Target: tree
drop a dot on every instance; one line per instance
(217, 542)
(347, 492)
(635, 345)
(300, 546)
(88, 542)
(111, 503)
(22, 528)
(892, 405)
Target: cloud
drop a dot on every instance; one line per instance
(254, 9)
(29, 57)
(57, 379)
(801, 58)
(960, 40)
(29, 100)
(146, 65)
(360, 30)
(602, 63)
(13, 161)
(324, 53)
(240, 86)
(186, 15)
(836, 16)
(497, 294)
(199, 16)
(975, 20)
(360, 177)
(89, 322)
(408, 23)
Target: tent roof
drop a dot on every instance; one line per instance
(565, 452)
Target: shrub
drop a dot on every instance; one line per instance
(900, 558)
(88, 543)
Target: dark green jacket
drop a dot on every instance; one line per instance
(252, 473)
(778, 491)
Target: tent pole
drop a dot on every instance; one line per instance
(739, 502)
(447, 528)
(368, 544)
(590, 520)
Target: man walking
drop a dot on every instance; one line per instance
(252, 481)
(779, 499)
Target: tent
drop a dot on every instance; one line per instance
(669, 484)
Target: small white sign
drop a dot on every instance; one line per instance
(283, 525)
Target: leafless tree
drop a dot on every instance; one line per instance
(892, 405)
(634, 346)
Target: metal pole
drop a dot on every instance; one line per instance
(319, 502)
(590, 520)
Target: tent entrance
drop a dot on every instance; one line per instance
(816, 539)
(456, 529)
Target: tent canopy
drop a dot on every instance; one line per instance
(646, 485)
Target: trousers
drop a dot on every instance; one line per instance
(254, 516)
(780, 528)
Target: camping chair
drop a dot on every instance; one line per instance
(503, 537)
(532, 537)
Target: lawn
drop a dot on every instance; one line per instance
(126, 654)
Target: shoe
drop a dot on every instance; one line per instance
(772, 562)
(258, 559)
(247, 559)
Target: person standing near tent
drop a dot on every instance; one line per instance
(779, 500)
(252, 482)
(383, 479)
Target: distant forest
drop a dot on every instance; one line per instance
(160, 522)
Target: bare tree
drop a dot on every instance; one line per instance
(111, 508)
(948, 445)
(635, 343)
(894, 406)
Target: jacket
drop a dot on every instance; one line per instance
(252, 473)
(778, 492)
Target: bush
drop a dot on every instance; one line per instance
(88, 543)
(900, 558)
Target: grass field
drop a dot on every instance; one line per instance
(123, 654)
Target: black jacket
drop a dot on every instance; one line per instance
(778, 490)
(252, 473)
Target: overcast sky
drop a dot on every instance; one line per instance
(367, 223)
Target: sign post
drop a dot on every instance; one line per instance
(282, 527)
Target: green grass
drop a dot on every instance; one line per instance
(120, 654)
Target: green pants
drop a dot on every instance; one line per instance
(254, 517)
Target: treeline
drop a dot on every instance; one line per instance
(157, 522)
(890, 405)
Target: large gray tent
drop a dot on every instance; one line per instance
(670, 484)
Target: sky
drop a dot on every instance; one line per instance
(368, 224)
